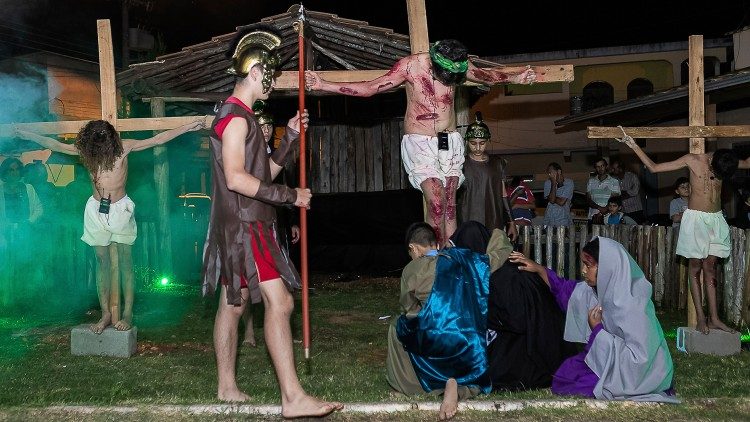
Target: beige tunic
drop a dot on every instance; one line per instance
(416, 285)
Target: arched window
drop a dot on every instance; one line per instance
(639, 87)
(597, 94)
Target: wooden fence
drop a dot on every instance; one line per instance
(653, 248)
(345, 158)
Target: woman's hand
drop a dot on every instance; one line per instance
(524, 263)
(595, 316)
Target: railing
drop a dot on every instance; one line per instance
(653, 248)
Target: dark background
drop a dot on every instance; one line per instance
(486, 27)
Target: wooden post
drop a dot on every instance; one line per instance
(571, 274)
(560, 243)
(161, 181)
(107, 72)
(526, 232)
(696, 117)
(418, 38)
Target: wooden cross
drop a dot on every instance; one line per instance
(696, 131)
(109, 113)
(419, 41)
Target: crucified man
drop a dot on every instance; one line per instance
(432, 150)
(108, 220)
(704, 233)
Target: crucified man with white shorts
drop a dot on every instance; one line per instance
(431, 150)
(108, 220)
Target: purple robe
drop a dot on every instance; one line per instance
(573, 377)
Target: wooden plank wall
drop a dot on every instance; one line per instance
(346, 158)
(653, 248)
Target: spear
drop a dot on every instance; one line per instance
(300, 28)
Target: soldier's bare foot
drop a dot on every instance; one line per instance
(449, 406)
(103, 323)
(233, 395)
(249, 336)
(701, 326)
(718, 325)
(308, 407)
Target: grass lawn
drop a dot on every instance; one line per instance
(175, 362)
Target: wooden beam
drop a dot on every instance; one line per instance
(123, 125)
(107, 72)
(697, 113)
(418, 38)
(288, 79)
(670, 132)
(160, 123)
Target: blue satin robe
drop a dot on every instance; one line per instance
(447, 339)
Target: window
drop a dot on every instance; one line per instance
(597, 94)
(639, 87)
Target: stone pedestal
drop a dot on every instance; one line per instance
(716, 342)
(120, 344)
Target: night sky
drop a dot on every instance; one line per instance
(486, 27)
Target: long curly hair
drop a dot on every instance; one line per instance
(99, 146)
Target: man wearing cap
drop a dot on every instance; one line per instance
(482, 196)
(241, 253)
(431, 150)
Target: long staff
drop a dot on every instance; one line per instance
(300, 27)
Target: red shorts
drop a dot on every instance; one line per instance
(264, 262)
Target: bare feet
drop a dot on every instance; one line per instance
(449, 406)
(233, 395)
(308, 406)
(103, 323)
(701, 326)
(718, 325)
(249, 338)
(125, 323)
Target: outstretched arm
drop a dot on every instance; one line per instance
(49, 143)
(161, 138)
(500, 75)
(649, 163)
(395, 77)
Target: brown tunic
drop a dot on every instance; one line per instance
(227, 255)
(481, 195)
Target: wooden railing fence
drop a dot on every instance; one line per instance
(653, 248)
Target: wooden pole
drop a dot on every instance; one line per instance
(161, 182)
(300, 26)
(109, 113)
(418, 38)
(107, 72)
(696, 117)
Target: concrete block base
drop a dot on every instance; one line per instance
(716, 342)
(120, 344)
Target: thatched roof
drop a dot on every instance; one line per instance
(335, 44)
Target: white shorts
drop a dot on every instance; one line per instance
(422, 159)
(118, 226)
(703, 234)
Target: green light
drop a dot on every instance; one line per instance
(164, 281)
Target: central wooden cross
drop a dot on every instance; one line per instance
(696, 131)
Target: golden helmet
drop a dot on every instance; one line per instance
(255, 47)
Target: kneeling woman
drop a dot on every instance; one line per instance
(626, 356)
